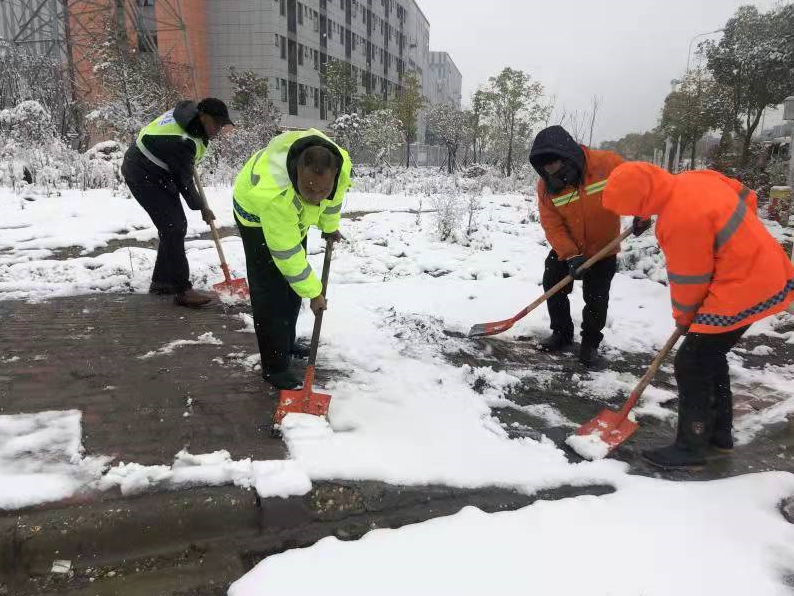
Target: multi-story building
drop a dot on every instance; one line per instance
(290, 41)
(445, 80)
(287, 41)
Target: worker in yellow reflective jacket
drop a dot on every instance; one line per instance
(297, 181)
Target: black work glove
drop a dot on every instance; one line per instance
(639, 225)
(334, 236)
(573, 265)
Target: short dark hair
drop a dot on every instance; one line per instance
(319, 159)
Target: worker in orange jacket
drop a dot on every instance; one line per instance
(572, 178)
(725, 272)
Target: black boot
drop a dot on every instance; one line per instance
(689, 450)
(675, 457)
(300, 350)
(555, 343)
(282, 379)
(588, 354)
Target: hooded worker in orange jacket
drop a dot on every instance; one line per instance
(572, 178)
(725, 272)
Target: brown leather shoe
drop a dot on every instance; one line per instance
(193, 298)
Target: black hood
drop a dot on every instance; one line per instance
(555, 141)
(186, 114)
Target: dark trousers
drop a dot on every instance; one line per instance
(596, 283)
(705, 408)
(275, 304)
(158, 195)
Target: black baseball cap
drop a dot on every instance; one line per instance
(217, 109)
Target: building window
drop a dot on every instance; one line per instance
(282, 7)
(278, 43)
(316, 22)
(302, 94)
(316, 97)
(316, 60)
(300, 14)
(330, 29)
(283, 48)
(300, 54)
(342, 35)
(283, 90)
(342, 4)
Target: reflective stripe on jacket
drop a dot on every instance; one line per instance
(264, 196)
(725, 269)
(575, 221)
(165, 125)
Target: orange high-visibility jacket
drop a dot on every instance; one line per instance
(725, 269)
(575, 221)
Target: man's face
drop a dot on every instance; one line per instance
(315, 187)
(553, 167)
(211, 126)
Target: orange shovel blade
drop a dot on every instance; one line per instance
(234, 287)
(612, 427)
(301, 401)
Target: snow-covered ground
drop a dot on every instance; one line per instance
(651, 538)
(403, 413)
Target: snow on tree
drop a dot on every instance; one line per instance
(515, 106)
(30, 149)
(28, 76)
(257, 123)
(447, 125)
(350, 132)
(382, 134)
(340, 86)
(755, 60)
(406, 107)
(135, 87)
(693, 109)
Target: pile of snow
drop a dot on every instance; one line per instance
(41, 458)
(588, 446)
(651, 537)
(274, 478)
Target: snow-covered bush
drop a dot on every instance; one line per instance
(101, 165)
(430, 181)
(447, 215)
(370, 138)
(30, 150)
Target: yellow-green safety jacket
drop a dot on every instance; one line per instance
(265, 196)
(162, 126)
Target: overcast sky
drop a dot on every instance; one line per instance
(625, 51)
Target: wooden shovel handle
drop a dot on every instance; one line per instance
(650, 373)
(213, 229)
(568, 279)
(318, 318)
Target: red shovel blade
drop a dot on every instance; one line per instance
(485, 329)
(613, 427)
(301, 401)
(233, 287)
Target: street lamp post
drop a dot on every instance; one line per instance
(689, 52)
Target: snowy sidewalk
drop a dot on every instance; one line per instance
(87, 353)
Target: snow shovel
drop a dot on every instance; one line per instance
(614, 427)
(233, 287)
(484, 329)
(305, 400)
